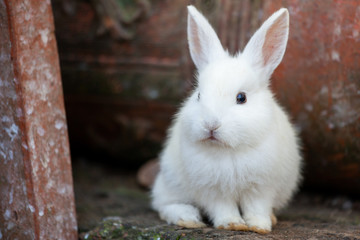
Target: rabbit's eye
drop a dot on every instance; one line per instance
(241, 98)
(198, 98)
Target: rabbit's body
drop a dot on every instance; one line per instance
(221, 154)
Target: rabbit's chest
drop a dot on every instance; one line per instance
(228, 172)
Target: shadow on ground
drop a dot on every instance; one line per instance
(111, 205)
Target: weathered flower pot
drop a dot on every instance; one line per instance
(319, 83)
(120, 94)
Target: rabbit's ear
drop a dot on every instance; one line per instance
(266, 48)
(204, 44)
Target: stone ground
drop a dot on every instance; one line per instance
(111, 205)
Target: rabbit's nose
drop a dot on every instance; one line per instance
(212, 126)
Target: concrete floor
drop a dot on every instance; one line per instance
(111, 205)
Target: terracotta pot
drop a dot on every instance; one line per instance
(120, 94)
(319, 84)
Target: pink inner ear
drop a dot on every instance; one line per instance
(195, 37)
(274, 39)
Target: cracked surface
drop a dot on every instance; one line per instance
(104, 192)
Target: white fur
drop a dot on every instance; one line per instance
(254, 165)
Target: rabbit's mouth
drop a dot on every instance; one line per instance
(214, 141)
(212, 138)
(211, 135)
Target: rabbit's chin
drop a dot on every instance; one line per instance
(214, 142)
(218, 142)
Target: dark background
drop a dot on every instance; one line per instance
(126, 68)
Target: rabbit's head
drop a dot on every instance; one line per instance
(232, 105)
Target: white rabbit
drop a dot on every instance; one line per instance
(231, 153)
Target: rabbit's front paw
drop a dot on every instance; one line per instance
(191, 224)
(234, 224)
(258, 224)
(184, 215)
